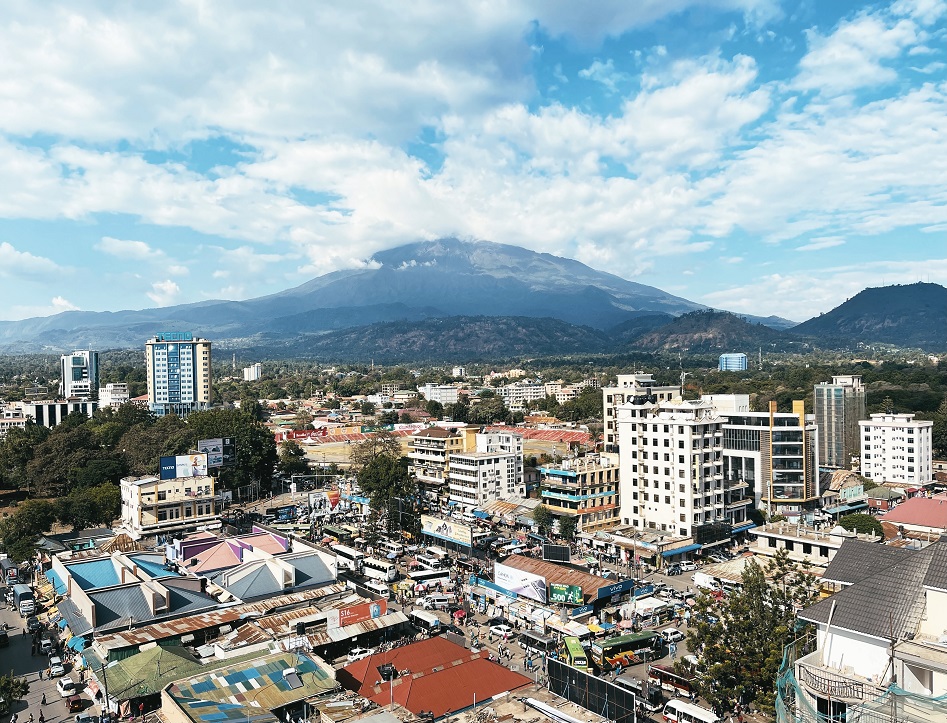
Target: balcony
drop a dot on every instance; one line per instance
(821, 681)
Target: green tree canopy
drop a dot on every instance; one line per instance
(292, 458)
(256, 448)
(376, 445)
(19, 531)
(567, 526)
(88, 508)
(543, 519)
(862, 524)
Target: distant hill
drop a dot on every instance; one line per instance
(714, 332)
(912, 315)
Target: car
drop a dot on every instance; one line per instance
(674, 569)
(502, 631)
(359, 653)
(66, 687)
(45, 646)
(75, 703)
(449, 629)
(498, 621)
(33, 624)
(87, 718)
(717, 558)
(56, 668)
(672, 635)
(688, 566)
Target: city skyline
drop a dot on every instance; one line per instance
(758, 156)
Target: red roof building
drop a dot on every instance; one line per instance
(920, 514)
(442, 677)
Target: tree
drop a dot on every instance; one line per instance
(292, 458)
(543, 519)
(256, 448)
(740, 638)
(86, 508)
(862, 524)
(17, 449)
(146, 442)
(487, 411)
(457, 412)
(367, 409)
(567, 525)
(12, 689)
(939, 440)
(19, 531)
(392, 491)
(303, 419)
(434, 408)
(378, 444)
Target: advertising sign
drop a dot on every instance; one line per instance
(324, 503)
(569, 594)
(522, 583)
(221, 452)
(362, 612)
(446, 530)
(184, 465)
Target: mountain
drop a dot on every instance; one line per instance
(912, 315)
(414, 282)
(715, 332)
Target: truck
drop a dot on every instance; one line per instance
(23, 600)
(703, 580)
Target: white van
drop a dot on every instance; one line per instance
(377, 586)
(424, 621)
(469, 517)
(440, 601)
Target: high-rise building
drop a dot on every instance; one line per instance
(253, 372)
(491, 472)
(732, 363)
(838, 408)
(178, 371)
(629, 387)
(585, 488)
(79, 377)
(896, 448)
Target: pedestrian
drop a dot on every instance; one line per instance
(30, 720)
(42, 718)
(43, 700)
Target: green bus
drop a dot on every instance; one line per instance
(574, 654)
(627, 650)
(337, 532)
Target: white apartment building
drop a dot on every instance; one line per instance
(178, 373)
(516, 395)
(492, 472)
(50, 412)
(253, 372)
(79, 375)
(152, 505)
(11, 417)
(896, 448)
(444, 394)
(629, 387)
(113, 395)
(458, 372)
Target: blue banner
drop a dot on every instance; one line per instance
(623, 586)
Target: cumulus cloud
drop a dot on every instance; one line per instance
(14, 262)
(125, 249)
(164, 293)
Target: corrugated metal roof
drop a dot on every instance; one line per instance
(557, 573)
(281, 622)
(336, 635)
(202, 621)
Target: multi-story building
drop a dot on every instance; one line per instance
(775, 454)
(458, 372)
(494, 470)
(429, 454)
(732, 362)
(442, 393)
(838, 408)
(896, 448)
(518, 394)
(585, 488)
(628, 388)
(152, 505)
(79, 375)
(253, 372)
(178, 373)
(49, 412)
(11, 417)
(114, 394)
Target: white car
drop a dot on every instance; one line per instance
(502, 631)
(672, 635)
(359, 653)
(56, 668)
(66, 687)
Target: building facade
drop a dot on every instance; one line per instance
(178, 373)
(79, 375)
(152, 505)
(732, 363)
(443, 394)
(113, 395)
(628, 388)
(838, 408)
(896, 448)
(429, 454)
(518, 394)
(253, 372)
(585, 488)
(49, 413)
(494, 470)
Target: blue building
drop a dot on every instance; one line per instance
(732, 363)
(179, 379)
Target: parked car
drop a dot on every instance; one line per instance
(75, 703)
(33, 624)
(672, 635)
(359, 653)
(87, 718)
(688, 566)
(674, 569)
(56, 668)
(502, 631)
(498, 621)
(45, 646)
(66, 687)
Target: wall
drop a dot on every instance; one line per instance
(866, 656)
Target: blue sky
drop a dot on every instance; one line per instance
(760, 156)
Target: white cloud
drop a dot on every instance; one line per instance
(824, 242)
(15, 263)
(164, 293)
(125, 249)
(56, 305)
(604, 73)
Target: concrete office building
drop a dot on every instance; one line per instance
(178, 373)
(897, 448)
(732, 363)
(79, 375)
(585, 488)
(838, 408)
(629, 387)
(492, 472)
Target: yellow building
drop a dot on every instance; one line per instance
(152, 505)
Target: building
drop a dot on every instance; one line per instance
(920, 514)
(253, 372)
(113, 395)
(628, 388)
(429, 453)
(897, 448)
(79, 375)
(152, 505)
(11, 417)
(443, 394)
(518, 394)
(585, 488)
(732, 362)
(49, 413)
(838, 408)
(877, 653)
(178, 373)
(492, 471)
(458, 372)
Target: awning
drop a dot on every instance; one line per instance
(680, 550)
(58, 585)
(743, 528)
(481, 514)
(77, 643)
(62, 623)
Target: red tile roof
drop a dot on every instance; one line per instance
(444, 677)
(920, 511)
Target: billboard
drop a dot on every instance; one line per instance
(362, 612)
(221, 452)
(446, 530)
(557, 553)
(569, 594)
(324, 503)
(184, 465)
(522, 583)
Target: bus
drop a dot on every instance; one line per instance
(376, 569)
(337, 532)
(387, 547)
(427, 578)
(647, 694)
(347, 558)
(428, 622)
(678, 711)
(664, 676)
(437, 552)
(626, 650)
(533, 642)
(428, 562)
(353, 531)
(574, 653)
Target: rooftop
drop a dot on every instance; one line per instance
(930, 512)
